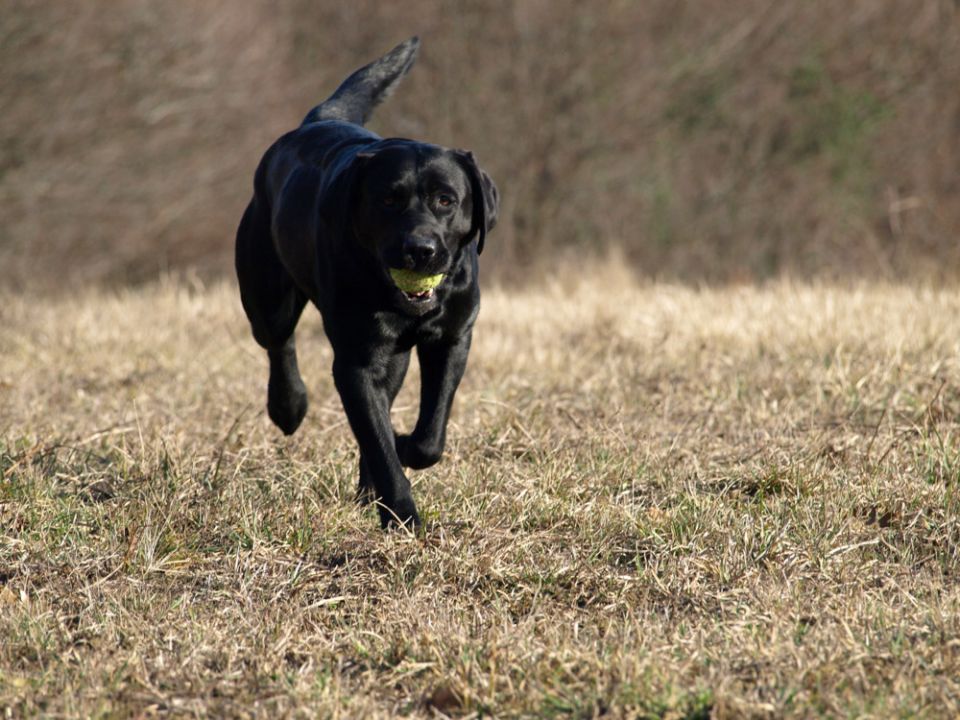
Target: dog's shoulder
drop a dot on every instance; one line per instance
(317, 150)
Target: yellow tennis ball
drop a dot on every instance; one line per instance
(414, 282)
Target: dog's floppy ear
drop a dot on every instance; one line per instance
(484, 197)
(338, 197)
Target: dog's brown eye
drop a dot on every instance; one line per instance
(444, 200)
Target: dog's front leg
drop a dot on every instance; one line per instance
(441, 368)
(367, 409)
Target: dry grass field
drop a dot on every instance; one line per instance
(657, 501)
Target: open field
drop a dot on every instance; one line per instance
(657, 501)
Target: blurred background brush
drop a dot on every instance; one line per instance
(711, 141)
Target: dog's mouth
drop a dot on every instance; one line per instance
(416, 287)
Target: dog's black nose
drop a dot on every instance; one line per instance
(418, 251)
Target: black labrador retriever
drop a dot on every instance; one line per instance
(382, 235)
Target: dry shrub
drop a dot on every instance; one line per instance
(711, 140)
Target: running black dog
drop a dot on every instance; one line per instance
(382, 235)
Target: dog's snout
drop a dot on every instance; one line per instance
(419, 251)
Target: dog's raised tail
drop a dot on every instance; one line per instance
(360, 93)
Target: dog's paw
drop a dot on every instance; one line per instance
(402, 514)
(287, 405)
(416, 455)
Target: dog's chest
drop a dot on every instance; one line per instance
(408, 333)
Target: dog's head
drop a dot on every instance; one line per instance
(415, 208)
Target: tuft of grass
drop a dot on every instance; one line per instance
(656, 502)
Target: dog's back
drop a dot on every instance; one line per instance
(321, 147)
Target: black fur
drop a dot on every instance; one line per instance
(334, 208)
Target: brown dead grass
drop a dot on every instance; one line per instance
(657, 502)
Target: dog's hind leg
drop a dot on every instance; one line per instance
(273, 305)
(286, 393)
